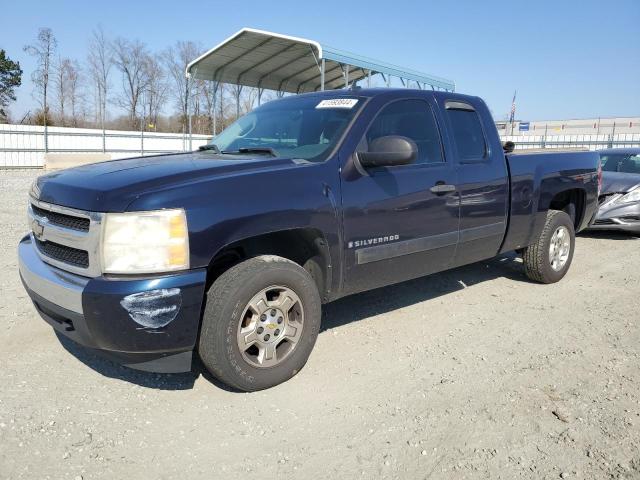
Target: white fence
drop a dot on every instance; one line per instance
(24, 146)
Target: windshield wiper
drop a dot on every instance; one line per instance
(209, 146)
(265, 150)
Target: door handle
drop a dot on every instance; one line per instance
(440, 188)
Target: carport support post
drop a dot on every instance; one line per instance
(46, 134)
(322, 75)
(188, 99)
(190, 135)
(215, 101)
(346, 76)
(101, 109)
(142, 133)
(238, 91)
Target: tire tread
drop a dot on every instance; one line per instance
(218, 294)
(535, 255)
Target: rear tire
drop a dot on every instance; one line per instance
(549, 259)
(260, 323)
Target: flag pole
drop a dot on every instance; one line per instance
(513, 110)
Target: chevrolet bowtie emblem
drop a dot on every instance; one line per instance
(37, 228)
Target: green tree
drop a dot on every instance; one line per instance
(10, 79)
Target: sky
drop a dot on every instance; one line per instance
(566, 59)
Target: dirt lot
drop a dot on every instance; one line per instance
(474, 373)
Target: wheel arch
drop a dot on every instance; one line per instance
(306, 246)
(571, 201)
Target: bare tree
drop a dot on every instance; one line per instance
(176, 59)
(43, 50)
(236, 91)
(209, 92)
(156, 91)
(224, 117)
(131, 58)
(248, 100)
(100, 60)
(76, 97)
(68, 92)
(60, 85)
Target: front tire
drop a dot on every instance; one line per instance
(549, 259)
(260, 323)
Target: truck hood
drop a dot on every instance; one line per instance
(112, 186)
(616, 182)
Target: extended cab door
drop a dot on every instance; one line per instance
(400, 222)
(483, 181)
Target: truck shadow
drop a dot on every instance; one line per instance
(386, 299)
(341, 312)
(104, 366)
(609, 235)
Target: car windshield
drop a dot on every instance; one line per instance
(620, 162)
(296, 127)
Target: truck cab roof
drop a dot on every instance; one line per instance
(380, 91)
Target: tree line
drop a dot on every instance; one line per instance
(122, 85)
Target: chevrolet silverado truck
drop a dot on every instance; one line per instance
(230, 251)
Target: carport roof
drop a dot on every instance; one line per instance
(261, 59)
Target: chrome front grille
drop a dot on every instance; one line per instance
(66, 238)
(62, 220)
(62, 253)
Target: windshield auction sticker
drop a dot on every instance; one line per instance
(338, 103)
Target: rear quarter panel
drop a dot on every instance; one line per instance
(536, 179)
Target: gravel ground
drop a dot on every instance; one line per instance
(473, 373)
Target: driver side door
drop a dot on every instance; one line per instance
(400, 222)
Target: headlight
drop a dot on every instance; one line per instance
(145, 242)
(632, 196)
(34, 191)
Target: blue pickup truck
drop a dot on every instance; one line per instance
(230, 251)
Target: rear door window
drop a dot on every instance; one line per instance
(468, 134)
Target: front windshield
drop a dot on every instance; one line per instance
(294, 127)
(624, 163)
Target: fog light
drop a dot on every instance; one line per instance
(155, 308)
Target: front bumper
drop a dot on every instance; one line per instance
(617, 216)
(98, 313)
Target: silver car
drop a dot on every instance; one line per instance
(619, 201)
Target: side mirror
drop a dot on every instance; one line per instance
(389, 151)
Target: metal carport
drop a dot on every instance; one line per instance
(272, 61)
(267, 60)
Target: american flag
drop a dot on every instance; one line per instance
(513, 108)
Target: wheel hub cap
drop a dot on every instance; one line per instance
(559, 248)
(270, 326)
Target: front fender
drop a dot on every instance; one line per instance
(233, 208)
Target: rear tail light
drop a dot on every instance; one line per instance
(599, 176)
